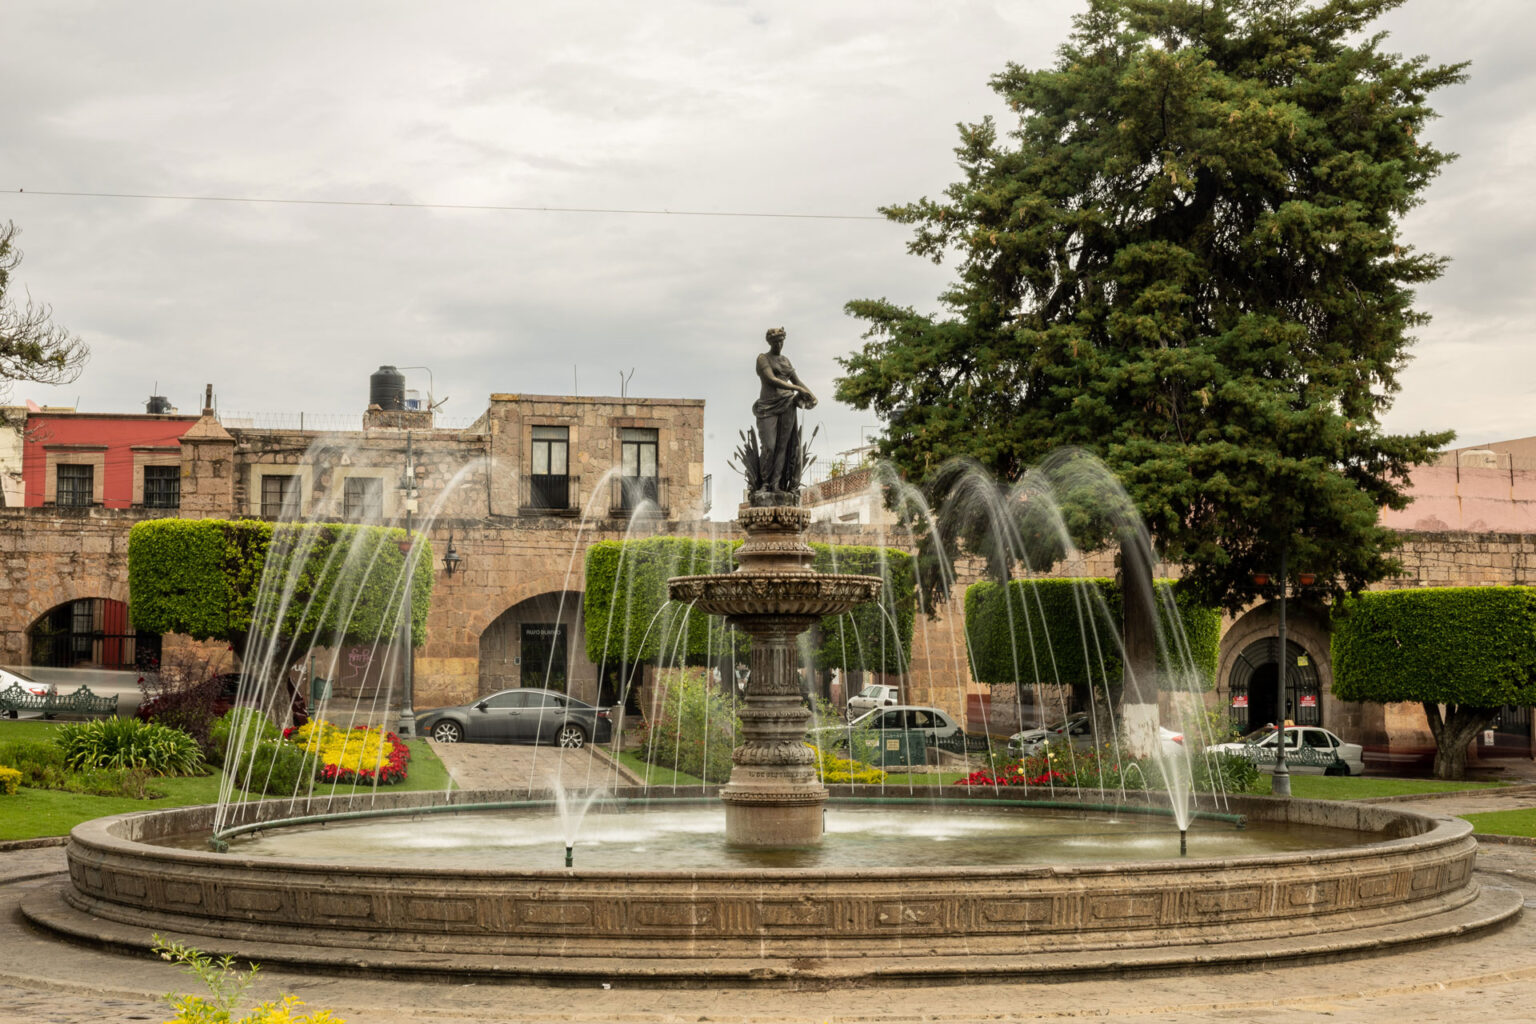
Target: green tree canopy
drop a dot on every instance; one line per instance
(331, 582)
(1470, 649)
(630, 620)
(32, 346)
(1185, 259)
(1066, 631)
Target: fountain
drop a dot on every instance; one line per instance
(1344, 879)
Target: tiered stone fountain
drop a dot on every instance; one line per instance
(774, 798)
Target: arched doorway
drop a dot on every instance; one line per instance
(91, 632)
(538, 642)
(1254, 683)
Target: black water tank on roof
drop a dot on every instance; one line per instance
(386, 388)
(157, 405)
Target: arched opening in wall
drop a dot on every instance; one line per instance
(538, 642)
(1254, 683)
(91, 632)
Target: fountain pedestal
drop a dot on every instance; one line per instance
(774, 798)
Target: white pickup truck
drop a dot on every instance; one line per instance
(871, 697)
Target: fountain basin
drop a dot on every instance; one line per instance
(1412, 883)
(790, 595)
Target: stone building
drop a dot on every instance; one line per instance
(518, 494)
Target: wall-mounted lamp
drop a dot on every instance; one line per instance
(452, 561)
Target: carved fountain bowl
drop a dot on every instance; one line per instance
(798, 594)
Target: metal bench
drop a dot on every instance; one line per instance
(1309, 757)
(14, 699)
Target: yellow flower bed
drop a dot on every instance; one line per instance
(840, 769)
(351, 755)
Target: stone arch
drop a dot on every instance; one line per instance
(90, 631)
(538, 641)
(1248, 666)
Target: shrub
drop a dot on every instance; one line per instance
(245, 725)
(832, 768)
(40, 762)
(129, 782)
(1110, 769)
(129, 743)
(10, 781)
(275, 768)
(693, 730)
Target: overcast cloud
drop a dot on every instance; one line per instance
(826, 108)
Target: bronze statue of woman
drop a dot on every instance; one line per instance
(783, 392)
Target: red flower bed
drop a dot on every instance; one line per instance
(1014, 778)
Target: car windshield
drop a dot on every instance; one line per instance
(1259, 735)
(20, 675)
(865, 719)
(871, 691)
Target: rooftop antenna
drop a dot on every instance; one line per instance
(624, 382)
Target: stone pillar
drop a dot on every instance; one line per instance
(774, 797)
(207, 470)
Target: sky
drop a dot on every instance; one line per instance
(702, 116)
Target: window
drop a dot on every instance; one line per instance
(549, 477)
(162, 486)
(638, 448)
(362, 498)
(75, 484)
(277, 489)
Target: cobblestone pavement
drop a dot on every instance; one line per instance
(500, 766)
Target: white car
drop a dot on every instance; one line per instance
(871, 697)
(10, 677)
(1309, 749)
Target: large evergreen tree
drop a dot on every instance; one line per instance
(1186, 259)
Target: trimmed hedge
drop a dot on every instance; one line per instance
(630, 620)
(1472, 646)
(202, 577)
(1073, 628)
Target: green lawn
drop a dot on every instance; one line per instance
(655, 775)
(33, 813)
(1505, 823)
(1322, 787)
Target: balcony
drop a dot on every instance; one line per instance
(644, 494)
(550, 495)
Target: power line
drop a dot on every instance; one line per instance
(445, 206)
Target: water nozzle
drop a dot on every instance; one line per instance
(569, 858)
(1183, 842)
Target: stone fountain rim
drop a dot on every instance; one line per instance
(107, 834)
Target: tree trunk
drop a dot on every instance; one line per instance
(1454, 733)
(1138, 703)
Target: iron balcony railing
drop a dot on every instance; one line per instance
(550, 494)
(646, 495)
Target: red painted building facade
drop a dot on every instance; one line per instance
(103, 460)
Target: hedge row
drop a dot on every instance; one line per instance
(629, 618)
(1068, 631)
(1472, 646)
(203, 578)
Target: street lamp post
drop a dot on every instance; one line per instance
(407, 724)
(1280, 785)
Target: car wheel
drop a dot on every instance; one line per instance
(447, 732)
(572, 736)
(1336, 769)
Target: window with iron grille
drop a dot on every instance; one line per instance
(276, 490)
(549, 478)
(74, 485)
(363, 498)
(638, 449)
(162, 486)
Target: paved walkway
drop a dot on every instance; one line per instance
(516, 767)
